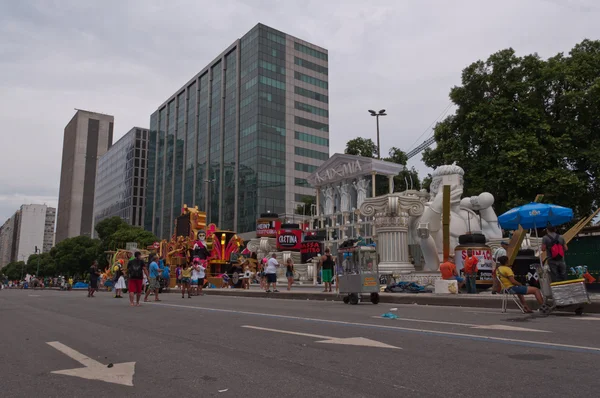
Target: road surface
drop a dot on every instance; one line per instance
(256, 347)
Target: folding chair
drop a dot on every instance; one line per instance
(506, 294)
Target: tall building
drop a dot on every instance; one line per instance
(30, 228)
(241, 136)
(87, 137)
(121, 179)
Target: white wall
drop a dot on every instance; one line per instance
(31, 231)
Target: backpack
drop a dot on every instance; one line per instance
(557, 250)
(135, 269)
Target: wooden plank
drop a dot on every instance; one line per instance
(446, 221)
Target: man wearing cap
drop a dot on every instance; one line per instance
(449, 272)
(500, 252)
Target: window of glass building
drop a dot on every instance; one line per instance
(310, 51)
(308, 168)
(311, 94)
(310, 80)
(313, 139)
(301, 182)
(310, 65)
(311, 109)
(311, 123)
(309, 153)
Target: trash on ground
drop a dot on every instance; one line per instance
(389, 315)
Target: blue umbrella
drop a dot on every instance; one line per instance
(535, 215)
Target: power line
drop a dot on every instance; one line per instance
(431, 125)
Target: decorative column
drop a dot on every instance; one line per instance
(373, 174)
(391, 183)
(391, 216)
(318, 200)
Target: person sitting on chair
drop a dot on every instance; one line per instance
(508, 282)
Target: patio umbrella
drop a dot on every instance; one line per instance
(535, 215)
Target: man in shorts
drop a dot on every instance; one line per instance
(508, 282)
(327, 264)
(271, 273)
(153, 279)
(136, 270)
(94, 275)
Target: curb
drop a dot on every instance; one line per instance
(398, 298)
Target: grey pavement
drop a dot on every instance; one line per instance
(252, 346)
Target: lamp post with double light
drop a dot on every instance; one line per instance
(377, 114)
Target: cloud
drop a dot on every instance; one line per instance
(126, 57)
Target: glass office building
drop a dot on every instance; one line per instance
(121, 179)
(241, 136)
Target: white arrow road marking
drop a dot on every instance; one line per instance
(120, 373)
(470, 325)
(356, 341)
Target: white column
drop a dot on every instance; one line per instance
(318, 200)
(373, 174)
(391, 183)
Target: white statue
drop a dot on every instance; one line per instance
(427, 229)
(344, 190)
(361, 191)
(328, 200)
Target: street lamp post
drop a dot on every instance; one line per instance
(38, 252)
(377, 114)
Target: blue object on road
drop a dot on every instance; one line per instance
(535, 215)
(80, 285)
(389, 315)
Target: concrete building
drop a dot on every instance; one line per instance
(31, 227)
(241, 136)
(87, 137)
(121, 179)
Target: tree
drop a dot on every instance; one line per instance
(75, 255)
(361, 147)
(47, 267)
(109, 226)
(306, 206)
(525, 126)
(14, 270)
(127, 233)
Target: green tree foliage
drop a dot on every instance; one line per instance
(305, 207)
(75, 255)
(109, 226)
(14, 270)
(46, 263)
(115, 233)
(525, 126)
(361, 147)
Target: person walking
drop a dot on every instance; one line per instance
(271, 273)
(136, 270)
(327, 264)
(153, 279)
(470, 269)
(555, 247)
(166, 275)
(289, 272)
(178, 276)
(94, 275)
(120, 282)
(186, 278)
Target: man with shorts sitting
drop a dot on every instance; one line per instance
(508, 282)
(449, 272)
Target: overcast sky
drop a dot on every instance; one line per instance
(125, 57)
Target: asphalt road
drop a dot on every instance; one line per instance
(256, 347)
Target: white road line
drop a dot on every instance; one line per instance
(355, 341)
(581, 318)
(470, 325)
(370, 325)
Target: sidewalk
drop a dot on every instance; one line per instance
(481, 300)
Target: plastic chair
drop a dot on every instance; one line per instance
(506, 294)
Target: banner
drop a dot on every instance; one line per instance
(267, 228)
(310, 249)
(289, 239)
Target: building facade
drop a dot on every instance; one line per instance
(121, 179)
(242, 135)
(87, 137)
(29, 230)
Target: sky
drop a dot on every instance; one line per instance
(125, 57)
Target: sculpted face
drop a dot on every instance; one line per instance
(201, 235)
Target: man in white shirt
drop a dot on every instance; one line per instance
(271, 273)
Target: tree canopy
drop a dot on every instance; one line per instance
(361, 147)
(115, 233)
(75, 255)
(525, 126)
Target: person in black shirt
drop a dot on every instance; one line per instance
(94, 275)
(327, 270)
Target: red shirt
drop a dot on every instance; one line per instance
(470, 266)
(447, 269)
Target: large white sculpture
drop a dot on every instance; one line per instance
(361, 187)
(469, 215)
(344, 190)
(328, 193)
